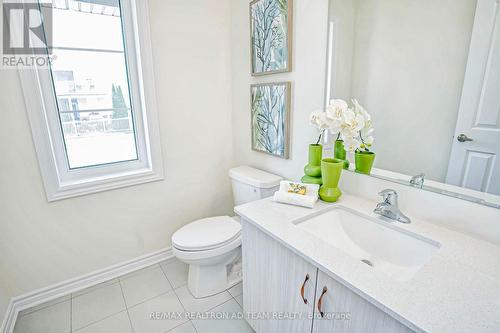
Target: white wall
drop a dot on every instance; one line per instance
(342, 29)
(308, 84)
(43, 243)
(408, 70)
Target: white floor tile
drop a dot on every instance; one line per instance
(96, 305)
(230, 325)
(184, 328)
(44, 305)
(239, 299)
(144, 284)
(163, 305)
(118, 323)
(53, 319)
(97, 286)
(236, 290)
(192, 304)
(177, 272)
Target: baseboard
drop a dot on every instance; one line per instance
(64, 288)
(9, 320)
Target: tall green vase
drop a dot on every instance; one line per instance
(340, 153)
(364, 161)
(313, 168)
(331, 169)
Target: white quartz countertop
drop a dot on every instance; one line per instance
(457, 290)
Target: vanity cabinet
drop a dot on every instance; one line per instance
(345, 311)
(283, 293)
(277, 283)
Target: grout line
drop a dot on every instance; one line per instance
(149, 299)
(126, 307)
(98, 321)
(94, 288)
(171, 285)
(165, 275)
(176, 326)
(194, 326)
(230, 299)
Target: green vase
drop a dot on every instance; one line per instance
(364, 161)
(313, 169)
(311, 180)
(340, 153)
(331, 169)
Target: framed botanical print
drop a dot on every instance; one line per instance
(270, 40)
(270, 118)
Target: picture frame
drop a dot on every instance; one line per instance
(270, 105)
(271, 36)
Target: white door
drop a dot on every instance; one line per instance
(278, 285)
(476, 164)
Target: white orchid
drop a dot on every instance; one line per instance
(351, 143)
(318, 119)
(336, 109)
(353, 124)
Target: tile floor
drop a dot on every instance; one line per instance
(126, 304)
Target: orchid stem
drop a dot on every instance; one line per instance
(363, 142)
(319, 138)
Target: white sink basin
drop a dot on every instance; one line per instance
(379, 244)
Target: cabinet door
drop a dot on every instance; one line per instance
(345, 311)
(273, 277)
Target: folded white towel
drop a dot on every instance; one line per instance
(305, 200)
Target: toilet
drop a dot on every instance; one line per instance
(212, 246)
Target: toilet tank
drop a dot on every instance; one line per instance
(250, 184)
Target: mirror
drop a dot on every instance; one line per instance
(428, 72)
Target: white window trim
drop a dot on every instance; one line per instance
(60, 182)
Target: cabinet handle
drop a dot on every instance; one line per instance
(320, 301)
(302, 289)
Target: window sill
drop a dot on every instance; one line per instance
(74, 189)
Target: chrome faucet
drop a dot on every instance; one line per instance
(389, 207)
(418, 180)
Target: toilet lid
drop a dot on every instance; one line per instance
(206, 234)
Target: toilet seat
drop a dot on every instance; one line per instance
(208, 234)
(197, 256)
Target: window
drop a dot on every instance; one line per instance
(93, 111)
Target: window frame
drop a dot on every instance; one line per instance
(59, 179)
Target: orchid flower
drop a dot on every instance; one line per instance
(353, 124)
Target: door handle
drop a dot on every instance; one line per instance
(320, 302)
(302, 289)
(463, 138)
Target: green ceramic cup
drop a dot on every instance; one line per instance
(331, 169)
(364, 161)
(340, 153)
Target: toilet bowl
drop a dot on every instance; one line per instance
(209, 246)
(212, 246)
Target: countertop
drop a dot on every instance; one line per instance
(457, 290)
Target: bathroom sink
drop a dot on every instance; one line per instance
(378, 244)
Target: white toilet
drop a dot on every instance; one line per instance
(212, 246)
